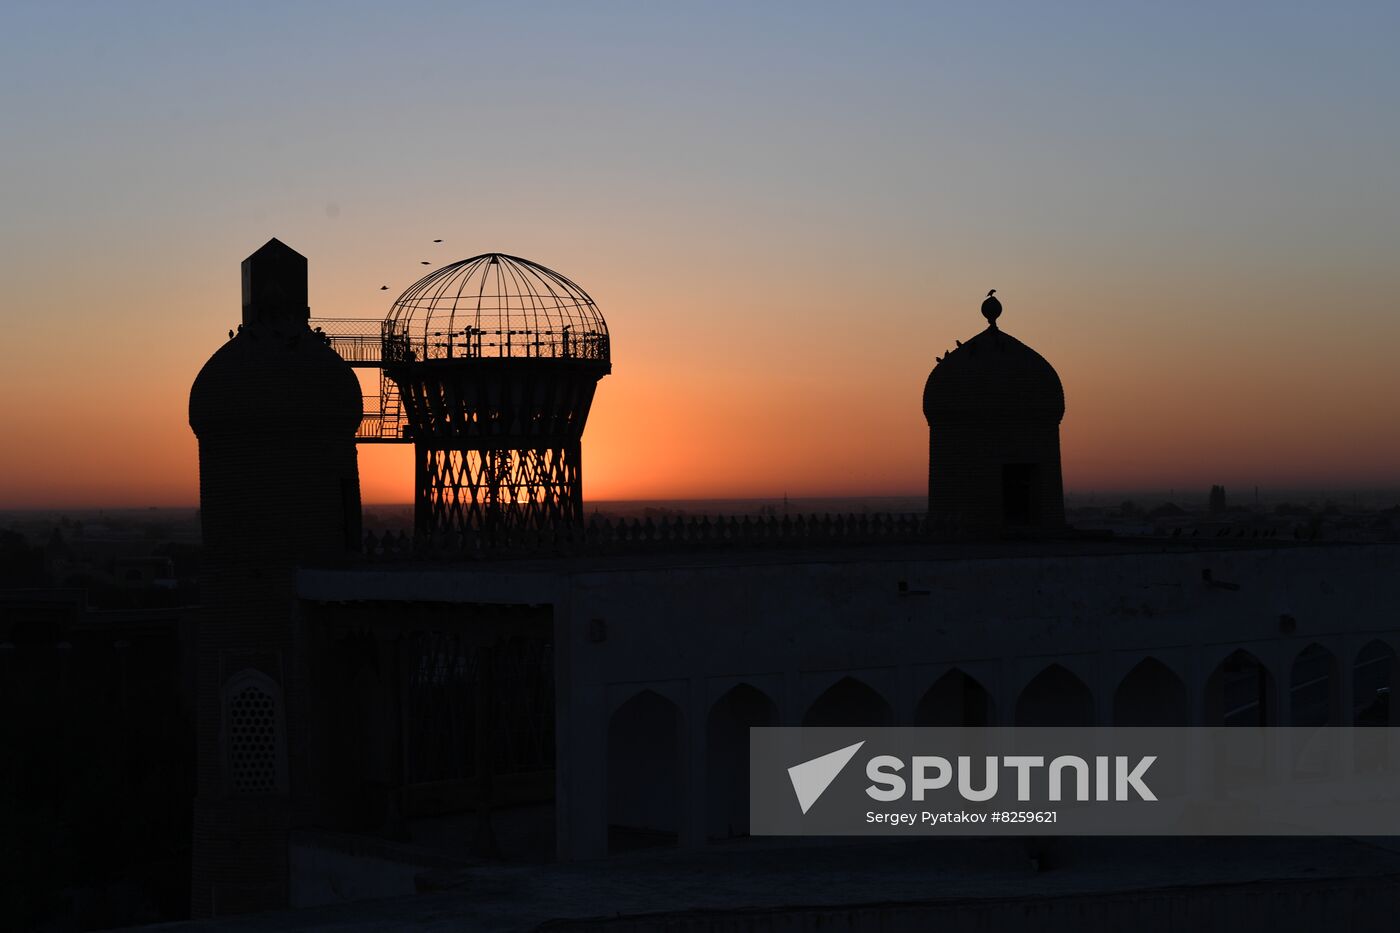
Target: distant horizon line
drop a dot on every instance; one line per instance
(1238, 493)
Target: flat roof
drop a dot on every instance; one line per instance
(758, 874)
(537, 580)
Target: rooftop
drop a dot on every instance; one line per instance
(763, 875)
(531, 579)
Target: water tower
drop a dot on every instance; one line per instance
(496, 360)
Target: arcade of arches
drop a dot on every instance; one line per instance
(648, 732)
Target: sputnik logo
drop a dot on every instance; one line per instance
(811, 778)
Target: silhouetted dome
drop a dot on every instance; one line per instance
(264, 379)
(496, 306)
(993, 373)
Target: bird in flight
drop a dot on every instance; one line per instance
(425, 263)
(437, 241)
(383, 288)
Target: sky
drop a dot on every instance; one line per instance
(784, 210)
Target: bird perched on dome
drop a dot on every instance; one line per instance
(991, 308)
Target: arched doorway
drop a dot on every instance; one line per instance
(727, 758)
(1313, 694)
(849, 702)
(955, 699)
(1240, 692)
(1373, 685)
(644, 773)
(1374, 702)
(1314, 701)
(1055, 697)
(1151, 695)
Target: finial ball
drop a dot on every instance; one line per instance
(991, 308)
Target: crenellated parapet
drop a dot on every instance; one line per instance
(603, 536)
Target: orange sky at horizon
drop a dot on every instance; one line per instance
(748, 401)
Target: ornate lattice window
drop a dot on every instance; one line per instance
(253, 735)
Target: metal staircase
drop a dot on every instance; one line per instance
(360, 343)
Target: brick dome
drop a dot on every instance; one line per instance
(268, 381)
(993, 373)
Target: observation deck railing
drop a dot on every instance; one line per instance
(372, 344)
(472, 342)
(359, 341)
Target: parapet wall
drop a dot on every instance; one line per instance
(600, 536)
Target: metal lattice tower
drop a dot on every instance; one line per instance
(496, 360)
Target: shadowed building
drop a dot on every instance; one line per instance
(994, 407)
(275, 410)
(414, 721)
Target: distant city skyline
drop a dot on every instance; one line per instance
(785, 214)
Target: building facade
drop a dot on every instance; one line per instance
(373, 716)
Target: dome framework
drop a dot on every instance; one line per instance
(496, 360)
(495, 306)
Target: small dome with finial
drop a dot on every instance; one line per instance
(991, 308)
(993, 372)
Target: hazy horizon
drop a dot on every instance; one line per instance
(1373, 497)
